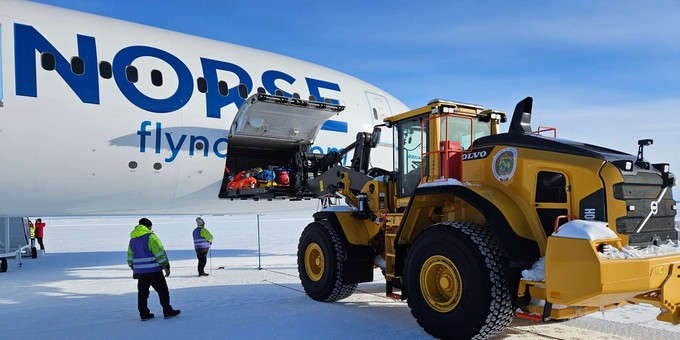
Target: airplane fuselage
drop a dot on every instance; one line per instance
(105, 117)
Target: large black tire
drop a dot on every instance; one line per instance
(34, 252)
(321, 256)
(3, 265)
(456, 283)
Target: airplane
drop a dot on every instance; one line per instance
(103, 117)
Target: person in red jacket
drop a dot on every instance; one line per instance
(39, 226)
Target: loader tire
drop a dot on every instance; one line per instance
(3, 265)
(321, 257)
(455, 282)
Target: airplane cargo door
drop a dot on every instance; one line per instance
(268, 132)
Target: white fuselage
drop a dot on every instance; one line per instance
(101, 143)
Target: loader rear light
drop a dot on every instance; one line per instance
(668, 178)
(628, 166)
(663, 167)
(624, 165)
(631, 208)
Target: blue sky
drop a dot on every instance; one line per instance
(602, 72)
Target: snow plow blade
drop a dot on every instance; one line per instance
(577, 274)
(670, 297)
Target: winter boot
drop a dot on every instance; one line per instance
(171, 313)
(147, 317)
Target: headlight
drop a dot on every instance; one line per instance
(624, 165)
(663, 167)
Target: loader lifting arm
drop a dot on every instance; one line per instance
(362, 153)
(329, 174)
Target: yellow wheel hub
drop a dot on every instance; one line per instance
(314, 262)
(441, 283)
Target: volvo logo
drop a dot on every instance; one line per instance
(655, 207)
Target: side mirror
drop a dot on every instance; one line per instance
(375, 136)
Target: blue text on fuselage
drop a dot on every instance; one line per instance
(27, 40)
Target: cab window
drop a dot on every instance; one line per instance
(461, 130)
(409, 160)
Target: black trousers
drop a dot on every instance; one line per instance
(202, 256)
(42, 246)
(157, 281)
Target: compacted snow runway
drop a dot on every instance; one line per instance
(82, 288)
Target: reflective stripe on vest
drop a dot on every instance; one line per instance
(143, 261)
(199, 241)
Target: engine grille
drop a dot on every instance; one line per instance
(640, 191)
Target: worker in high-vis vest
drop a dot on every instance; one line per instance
(148, 260)
(31, 230)
(202, 241)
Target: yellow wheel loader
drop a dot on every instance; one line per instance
(466, 209)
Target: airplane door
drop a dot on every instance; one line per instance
(380, 107)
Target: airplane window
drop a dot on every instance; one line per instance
(156, 77)
(132, 165)
(47, 61)
(202, 85)
(105, 70)
(77, 65)
(157, 166)
(223, 87)
(243, 91)
(131, 74)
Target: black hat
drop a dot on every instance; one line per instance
(145, 222)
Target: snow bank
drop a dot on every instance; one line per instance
(628, 252)
(587, 230)
(446, 181)
(441, 182)
(537, 271)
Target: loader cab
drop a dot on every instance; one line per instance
(431, 141)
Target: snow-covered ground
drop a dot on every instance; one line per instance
(82, 288)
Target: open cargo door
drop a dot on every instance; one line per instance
(266, 136)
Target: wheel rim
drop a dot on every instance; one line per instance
(314, 262)
(441, 283)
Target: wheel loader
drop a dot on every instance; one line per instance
(467, 208)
